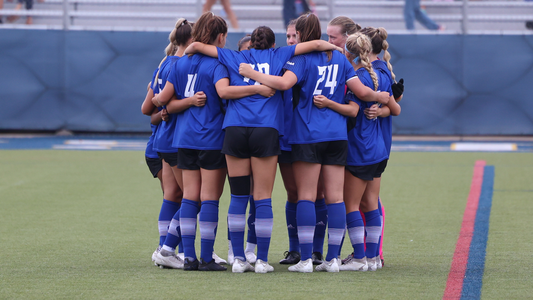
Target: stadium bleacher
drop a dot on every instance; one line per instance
(482, 16)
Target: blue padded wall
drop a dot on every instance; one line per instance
(96, 81)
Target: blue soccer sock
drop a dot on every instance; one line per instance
(336, 228)
(174, 234)
(208, 226)
(237, 224)
(264, 220)
(373, 232)
(168, 210)
(306, 219)
(356, 231)
(321, 211)
(380, 209)
(188, 217)
(290, 217)
(251, 241)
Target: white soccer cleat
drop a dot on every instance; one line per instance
(219, 260)
(250, 257)
(181, 256)
(378, 263)
(372, 263)
(231, 258)
(304, 266)
(169, 261)
(155, 254)
(240, 266)
(263, 267)
(328, 266)
(354, 264)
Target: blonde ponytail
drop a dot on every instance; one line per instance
(359, 45)
(385, 45)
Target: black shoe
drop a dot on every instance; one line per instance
(210, 266)
(317, 258)
(291, 258)
(190, 265)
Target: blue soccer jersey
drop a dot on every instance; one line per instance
(165, 132)
(255, 110)
(318, 76)
(386, 123)
(150, 152)
(287, 120)
(199, 127)
(366, 145)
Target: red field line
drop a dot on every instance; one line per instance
(454, 284)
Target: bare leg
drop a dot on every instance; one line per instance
(191, 185)
(231, 15)
(333, 177)
(354, 189)
(208, 4)
(212, 184)
(306, 175)
(289, 182)
(264, 174)
(369, 201)
(171, 189)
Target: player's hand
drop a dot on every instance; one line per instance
(245, 70)
(397, 90)
(164, 115)
(199, 99)
(372, 112)
(266, 91)
(321, 101)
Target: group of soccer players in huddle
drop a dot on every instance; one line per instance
(321, 110)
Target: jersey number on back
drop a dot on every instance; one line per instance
(262, 68)
(330, 74)
(189, 89)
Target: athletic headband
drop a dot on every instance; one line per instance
(347, 50)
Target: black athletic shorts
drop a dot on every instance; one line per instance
(369, 172)
(193, 159)
(154, 165)
(285, 157)
(324, 153)
(245, 142)
(169, 158)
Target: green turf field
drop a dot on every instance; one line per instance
(83, 224)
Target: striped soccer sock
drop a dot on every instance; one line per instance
(290, 216)
(321, 211)
(336, 228)
(188, 217)
(251, 241)
(174, 234)
(356, 231)
(382, 217)
(237, 224)
(306, 219)
(373, 232)
(208, 226)
(168, 210)
(264, 219)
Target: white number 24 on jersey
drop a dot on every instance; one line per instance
(262, 68)
(330, 74)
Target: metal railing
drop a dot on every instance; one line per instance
(460, 11)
